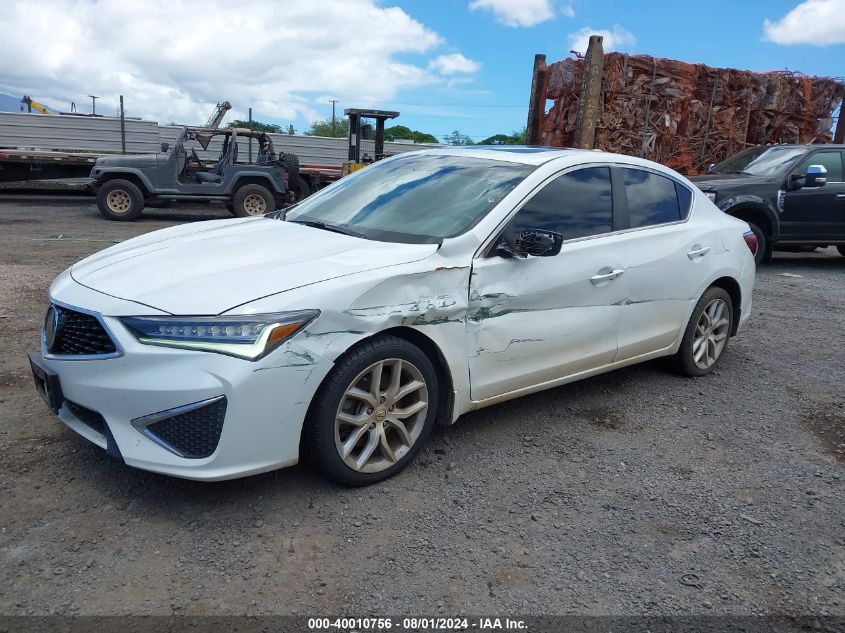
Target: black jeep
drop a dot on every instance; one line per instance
(792, 196)
(125, 184)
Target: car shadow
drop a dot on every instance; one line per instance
(826, 259)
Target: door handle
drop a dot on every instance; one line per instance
(698, 252)
(613, 274)
(840, 196)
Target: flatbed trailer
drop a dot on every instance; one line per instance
(34, 147)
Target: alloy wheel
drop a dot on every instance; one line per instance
(711, 334)
(381, 415)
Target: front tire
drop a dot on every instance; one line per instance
(252, 201)
(120, 200)
(707, 334)
(373, 412)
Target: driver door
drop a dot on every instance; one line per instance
(816, 213)
(537, 319)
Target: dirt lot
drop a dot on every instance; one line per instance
(637, 492)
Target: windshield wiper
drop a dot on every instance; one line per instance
(328, 227)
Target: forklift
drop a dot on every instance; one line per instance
(360, 131)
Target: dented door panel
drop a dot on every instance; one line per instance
(539, 319)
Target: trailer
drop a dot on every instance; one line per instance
(35, 148)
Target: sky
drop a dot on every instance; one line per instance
(444, 64)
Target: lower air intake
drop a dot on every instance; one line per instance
(194, 433)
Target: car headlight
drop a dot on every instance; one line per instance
(250, 337)
(711, 195)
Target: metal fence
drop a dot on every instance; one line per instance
(75, 133)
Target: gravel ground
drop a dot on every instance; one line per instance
(633, 493)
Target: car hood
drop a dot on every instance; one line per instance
(712, 182)
(211, 267)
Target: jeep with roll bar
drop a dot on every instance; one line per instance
(126, 184)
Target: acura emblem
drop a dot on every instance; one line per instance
(51, 327)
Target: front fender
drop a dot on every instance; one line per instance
(105, 176)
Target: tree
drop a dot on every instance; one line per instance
(457, 138)
(400, 132)
(257, 126)
(324, 128)
(517, 138)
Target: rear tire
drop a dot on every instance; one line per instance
(120, 200)
(764, 246)
(301, 189)
(707, 335)
(360, 410)
(253, 201)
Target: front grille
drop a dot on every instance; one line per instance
(193, 434)
(80, 334)
(87, 416)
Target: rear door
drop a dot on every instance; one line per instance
(818, 213)
(667, 256)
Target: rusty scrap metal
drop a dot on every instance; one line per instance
(687, 115)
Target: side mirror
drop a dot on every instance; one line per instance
(816, 176)
(535, 242)
(165, 147)
(712, 168)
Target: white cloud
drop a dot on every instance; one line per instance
(614, 39)
(517, 12)
(175, 60)
(568, 10)
(817, 22)
(454, 64)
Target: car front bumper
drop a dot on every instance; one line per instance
(110, 401)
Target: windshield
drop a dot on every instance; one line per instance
(769, 162)
(419, 199)
(736, 163)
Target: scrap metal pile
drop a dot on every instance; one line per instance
(686, 115)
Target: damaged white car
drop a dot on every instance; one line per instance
(415, 290)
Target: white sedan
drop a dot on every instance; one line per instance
(415, 290)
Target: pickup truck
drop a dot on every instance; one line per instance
(792, 196)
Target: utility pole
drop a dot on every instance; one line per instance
(334, 127)
(93, 104)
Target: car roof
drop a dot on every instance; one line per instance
(510, 153)
(536, 156)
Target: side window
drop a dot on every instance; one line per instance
(831, 160)
(652, 198)
(576, 204)
(684, 199)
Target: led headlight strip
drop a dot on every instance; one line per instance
(250, 337)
